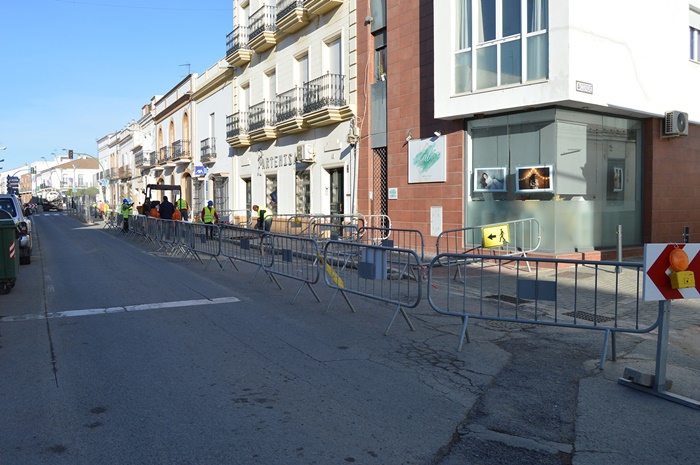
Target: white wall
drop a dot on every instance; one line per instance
(634, 53)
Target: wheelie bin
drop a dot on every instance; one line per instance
(9, 254)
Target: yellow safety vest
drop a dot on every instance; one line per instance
(209, 214)
(181, 204)
(126, 210)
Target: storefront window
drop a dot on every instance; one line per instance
(589, 169)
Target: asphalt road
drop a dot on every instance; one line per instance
(113, 353)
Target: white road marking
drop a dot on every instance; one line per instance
(124, 309)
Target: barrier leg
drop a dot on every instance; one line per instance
(344, 297)
(464, 333)
(311, 288)
(233, 262)
(605, 348)
(399, 309)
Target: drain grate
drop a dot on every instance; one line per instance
(507, 298)
(589, 316)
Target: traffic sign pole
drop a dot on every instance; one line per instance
(660, 264)
(658, 385)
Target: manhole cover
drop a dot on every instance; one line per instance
(589, 316)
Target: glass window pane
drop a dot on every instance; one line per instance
(536, 15)
(464, 24)
(510, 17)
(537, 57)
(463, 72)
(487, 20)
(511, 68)
(486, 67)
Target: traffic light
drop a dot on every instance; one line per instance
(70, 154)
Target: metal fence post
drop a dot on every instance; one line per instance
(619, 248)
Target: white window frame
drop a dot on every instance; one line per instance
(473, 45)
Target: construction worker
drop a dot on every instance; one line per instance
(127, 210)
(209, 217)
(181, 204)
(264, 218)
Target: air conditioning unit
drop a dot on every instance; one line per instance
(305, 153)
(676, 123)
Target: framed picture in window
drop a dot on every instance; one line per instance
(490, 180)
(618, 179)
(535, 178)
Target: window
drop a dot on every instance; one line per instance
(271, 88)
(334, 57)
(302, 70)
(271, 194)
(380, 56)
(695, 35)
(221, 197)
(303, 191)
(499, 43)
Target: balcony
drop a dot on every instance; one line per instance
(145, 160)
(237, 129)
(207, 150)
(165, 158)
(319, 7)
(324, 101)
(290, 112)
(124, 172)
(262, 28)
(181, 153)
(113, 173)
(238, 52)
(291, 16)
(262, 121)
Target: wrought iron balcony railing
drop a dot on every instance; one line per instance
(262, 115)
(164, 154)
(290, 104)
(325, 91)
(237, 124)
(284, 7)
(207, 149)
(263, 20)
(237, 39)
(180, 149)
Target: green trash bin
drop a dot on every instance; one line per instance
(9, 255)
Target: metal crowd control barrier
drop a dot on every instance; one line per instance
(111, 223)
(297, 225)
(242, 244)
(582, 294)
(512, 238)
(373, 272)
(411, 239)
(200, 238)
(292, 257)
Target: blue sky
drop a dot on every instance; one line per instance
(74, 71)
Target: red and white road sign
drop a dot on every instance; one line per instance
(657, 268)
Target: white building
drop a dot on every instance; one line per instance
(294, 106)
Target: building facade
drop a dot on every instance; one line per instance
(505, 91)
(293, 128)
